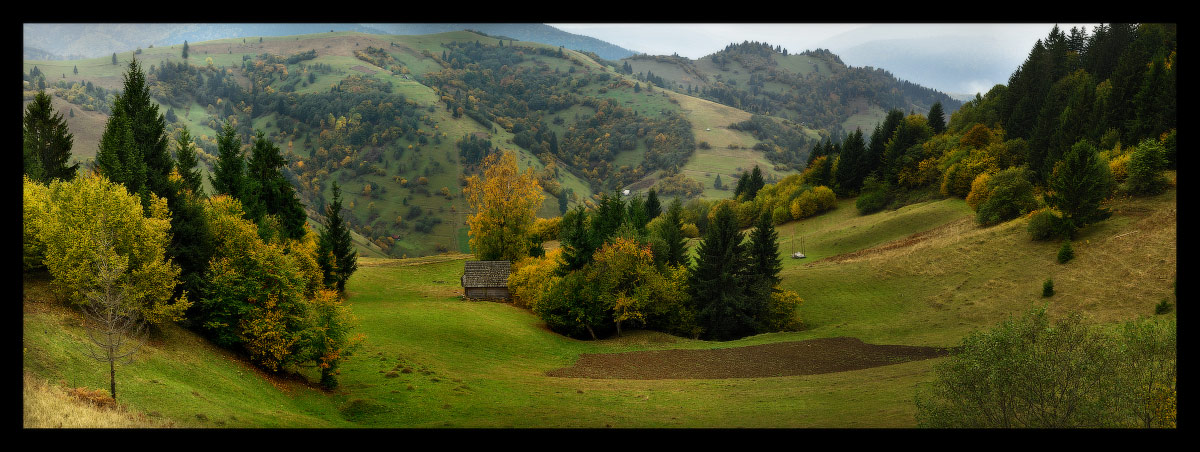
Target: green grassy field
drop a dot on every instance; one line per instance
(924, 274)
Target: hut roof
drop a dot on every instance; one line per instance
(486, 273)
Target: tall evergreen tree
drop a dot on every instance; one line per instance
(716, 283)
(851, 167)
(268, 192)
(743, 185)
(185, 51)
(46, 142)
(187, 164)
(937, 119)
(574, 240)
(335, 251)
(653, 206)
(228, 176)
(671, 232)
(764, 262)
(137, 141)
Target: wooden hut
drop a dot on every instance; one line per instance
(486, 280)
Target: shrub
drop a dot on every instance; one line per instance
(1065, 253)
(1046, 225)
(873, 198)
(1162, 307)
(1034, 373)
(1146, 167)
(1008, 195)
(1048, 288)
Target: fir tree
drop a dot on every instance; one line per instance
(186, 163)
(46, 142)
(653, 206)
(671, 232)
(268, 192)
(937, 119)
(717, 284)
(133, 150)
(335, 251)
(228, 173)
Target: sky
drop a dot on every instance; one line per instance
(957, 58)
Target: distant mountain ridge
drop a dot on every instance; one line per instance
(77, 41)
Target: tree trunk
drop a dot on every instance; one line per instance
(112, 379)
(593, 333)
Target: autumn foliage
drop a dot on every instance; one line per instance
(505, 202)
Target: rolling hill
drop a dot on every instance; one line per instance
(399, 120)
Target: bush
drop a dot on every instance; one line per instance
(1046, 225)
(1162, 307)
(1146, 167)
(1048, 288)
(1034, 373)
(1065, 253)
(873, 198)
(1008, 195)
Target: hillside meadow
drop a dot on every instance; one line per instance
(921, 275)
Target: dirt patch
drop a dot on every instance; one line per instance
(814, 356)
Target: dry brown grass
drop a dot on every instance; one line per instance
(50, 406)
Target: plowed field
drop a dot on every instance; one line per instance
(815, 356)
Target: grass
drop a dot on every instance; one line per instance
(431, 360)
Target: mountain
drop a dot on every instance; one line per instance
(814, 88)
(76, 41)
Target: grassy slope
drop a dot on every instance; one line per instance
(479, 364)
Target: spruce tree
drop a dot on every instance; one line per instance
(268, 192)
(138, 140)
(671, 232)
(185, 50)
(653, 206)
(46, 142)
(575, 241)
(228, 175)
(717, 282)
(937, 119)
(335, 251)
(764, 262)
(186, 163)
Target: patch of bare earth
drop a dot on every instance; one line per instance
(810, 357)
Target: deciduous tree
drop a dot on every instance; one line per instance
(505, 202)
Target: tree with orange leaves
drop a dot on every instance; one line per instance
(505, 202)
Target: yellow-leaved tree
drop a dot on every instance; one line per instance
(90, 220)
(505, 201)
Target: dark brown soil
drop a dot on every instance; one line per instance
(815, 356)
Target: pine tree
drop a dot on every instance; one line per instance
(335, 251)
(765, 264)
(186, 163)
(46, 142)
(228, 175)
(671, 232)
(185, 50)
(756, 183)
(937, 119)
(716, 283)
(133, 150)
(268, 192)
(114, 59)
(653, 206)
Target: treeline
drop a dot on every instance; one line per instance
(1085, 117)
(241, 266)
